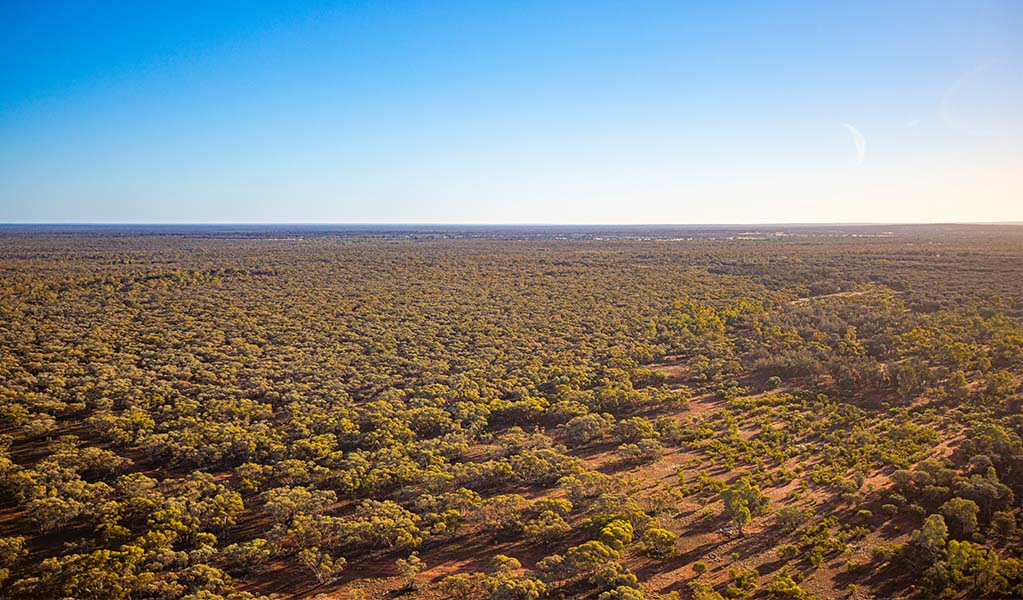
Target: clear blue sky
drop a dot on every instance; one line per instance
(515, 112)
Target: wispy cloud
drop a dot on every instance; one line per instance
(858, 141)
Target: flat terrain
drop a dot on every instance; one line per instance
(499, 412)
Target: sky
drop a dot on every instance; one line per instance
(511, 112)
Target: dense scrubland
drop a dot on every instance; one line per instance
(511, 414)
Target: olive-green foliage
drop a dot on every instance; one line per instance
(961, 517)
(622, 592)
(743, 500)
(783, 587)
(192, 410)
(617, 533)
(790, 518)
(931, 537)
(659, 542)
(590, 555)
(742, 582)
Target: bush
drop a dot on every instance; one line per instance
(742, 582)
(784, 587)
(616, 534)
(612, 575)
(788, 551)
(659, 542)
(590, 555)
(1003, 525)
(790, 518)
(622, 592)
(647, 450)
(635, 429)
(586, 428)
(12, 549)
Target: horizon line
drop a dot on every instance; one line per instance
(478, 224)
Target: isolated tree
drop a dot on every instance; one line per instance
(743, 501)
(789, 518)
(409, 568)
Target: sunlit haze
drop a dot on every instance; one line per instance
(524, 112)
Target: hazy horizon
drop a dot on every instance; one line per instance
(43, 224)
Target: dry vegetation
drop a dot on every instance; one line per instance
(511, 414)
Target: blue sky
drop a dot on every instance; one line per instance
(517, 112)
